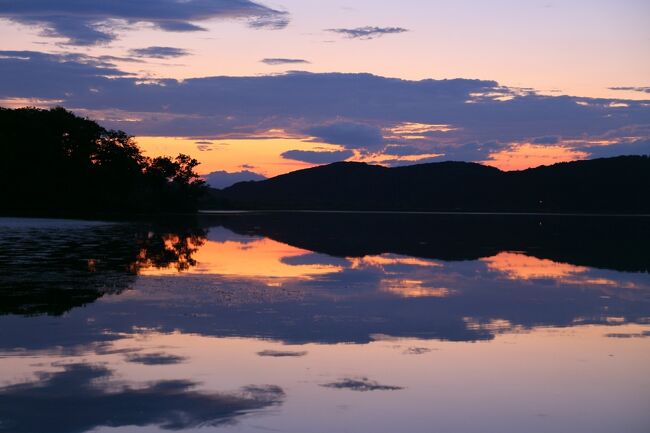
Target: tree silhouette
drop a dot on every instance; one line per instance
(54, 162)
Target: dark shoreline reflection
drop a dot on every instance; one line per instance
(52, 266)
(608, 242)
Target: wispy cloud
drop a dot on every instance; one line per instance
(632, 89)
(281, 353)
(159, 52)
(368, 32)
(154, 358)
(362, 384)
(95, 22)
(273, 61)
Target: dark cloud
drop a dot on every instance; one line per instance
(362, 384)
(356, 111)
(632, 89)
(81, 398)
(203, 146)
(282, 61)
(224, 179)
(348, 134)
(314, 157)
(416, 351)
(546, 140)
(88, 23)
(368, 32)
(628, 335)
(154, 358)
(281, 354)
(159, 52)
(402, 150)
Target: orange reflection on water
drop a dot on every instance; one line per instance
(255, 258)
(517, 266)
(385, 260)
(413, 289)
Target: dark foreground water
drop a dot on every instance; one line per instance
(326, 323)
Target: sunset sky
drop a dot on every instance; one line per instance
(269, 87)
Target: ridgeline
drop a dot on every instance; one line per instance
(607, 185)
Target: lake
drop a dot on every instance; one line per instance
(326, 322)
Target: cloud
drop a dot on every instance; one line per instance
(281, 354)
(636, 147)
(629, 335)
(159, 52)
(90, 23)
(282, 61)
(546, 140)
(203, 146)
(314, 157)
(632, 89)
(362, 384)
(223, 179)
(347, 134)
(368, 32)
(402, 150)
(360, 112)
(81, 398)
(416, 351)
(154, 358)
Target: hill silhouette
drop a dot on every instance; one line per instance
(607, 185)
(55, 163)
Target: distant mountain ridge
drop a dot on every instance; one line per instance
(606, 185)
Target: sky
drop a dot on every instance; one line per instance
(256, 89)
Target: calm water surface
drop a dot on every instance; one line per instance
(326, 323)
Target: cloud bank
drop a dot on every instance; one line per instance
(456, 119)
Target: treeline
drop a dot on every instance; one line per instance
(53, 162)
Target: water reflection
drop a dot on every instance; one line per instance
(82, 397)
(291, 321)
(52, 266)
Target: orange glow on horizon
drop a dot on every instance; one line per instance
(262, 155)
(523, 156)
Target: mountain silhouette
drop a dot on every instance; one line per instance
(606, 185)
